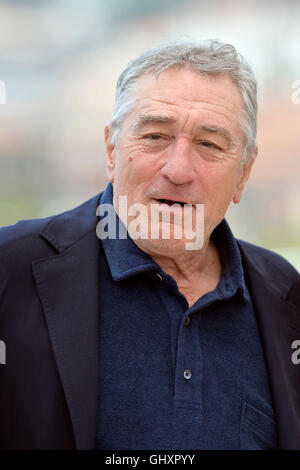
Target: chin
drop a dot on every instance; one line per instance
(170, 248)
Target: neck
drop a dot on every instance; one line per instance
(189, 265)
(196, 273)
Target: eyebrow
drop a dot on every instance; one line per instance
(219, 131)
(145, 119)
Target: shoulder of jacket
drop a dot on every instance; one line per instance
(20, 244)
(268, 263)
(21, 233)
(25, 236)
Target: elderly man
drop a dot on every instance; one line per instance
(139, 341)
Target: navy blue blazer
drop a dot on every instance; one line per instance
(49, 321)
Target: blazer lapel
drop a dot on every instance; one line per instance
(68, 288)
(279, 324)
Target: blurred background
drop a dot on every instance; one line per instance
(60, 60)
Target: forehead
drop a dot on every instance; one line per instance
(185, 90)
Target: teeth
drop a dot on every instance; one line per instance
(169, 202)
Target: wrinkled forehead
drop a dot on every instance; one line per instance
(189, 87)
(186, 96)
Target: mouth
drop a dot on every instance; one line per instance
(170, 202)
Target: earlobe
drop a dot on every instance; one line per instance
(110, 164)
(110, 154)
(236, 199)
(111, 159)
(240, 188)
(246, 170)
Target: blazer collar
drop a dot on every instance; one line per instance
(67, 228)
(278, 319)
(68, 284)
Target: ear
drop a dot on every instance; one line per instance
(110, 154)
(244, 175)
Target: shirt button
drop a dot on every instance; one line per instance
(159, 276)
(187, 374)
(187, 321)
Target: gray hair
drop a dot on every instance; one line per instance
(209, 57)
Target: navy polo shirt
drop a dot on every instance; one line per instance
(173, 376)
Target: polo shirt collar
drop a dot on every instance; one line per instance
(232, 280)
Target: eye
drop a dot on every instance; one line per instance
(208, 144)
(153, 136)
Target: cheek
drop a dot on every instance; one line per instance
(134, 164)
(219, 184)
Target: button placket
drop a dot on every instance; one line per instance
(189, 363)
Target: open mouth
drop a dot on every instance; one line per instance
(169, 202)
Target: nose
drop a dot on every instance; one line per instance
(179, 164)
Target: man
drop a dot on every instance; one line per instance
(144, 342)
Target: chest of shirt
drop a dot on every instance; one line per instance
(162, 362)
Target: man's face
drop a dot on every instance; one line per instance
(181, 142)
